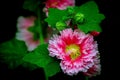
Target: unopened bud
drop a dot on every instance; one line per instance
(79, 18)
(94, 33)
(60, 25)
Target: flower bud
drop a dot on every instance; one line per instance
(79, 18)
(94, 33)
(60, 25)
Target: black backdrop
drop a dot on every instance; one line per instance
(107, 40)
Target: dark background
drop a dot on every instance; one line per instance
(107, 40)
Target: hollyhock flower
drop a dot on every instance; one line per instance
(75, 49)
(59, 4)
(95, 69)
(24, 34)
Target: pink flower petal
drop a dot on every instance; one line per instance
(95, 69)
(24, 34)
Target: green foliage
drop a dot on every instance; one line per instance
(41, 58)
(12, 52)
(86, 17)
(55, 15)
(92, 17)
(52, 68)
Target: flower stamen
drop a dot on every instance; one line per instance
(73, 50)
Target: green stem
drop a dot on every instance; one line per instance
(46, 78)
(39, 24)
(86, 78)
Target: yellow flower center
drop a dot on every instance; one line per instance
(54, 3)
(73, 50)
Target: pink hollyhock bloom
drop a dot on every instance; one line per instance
(24, 34)
(75, 49)
(59, 4)
(95, 69)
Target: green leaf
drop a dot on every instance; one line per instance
(31, 5)
(12, 52)
(55, 15)
(52, 68)
(90, 10)
(92, 17)
(40, 57)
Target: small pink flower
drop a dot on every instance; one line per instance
(24, 34)
(59, 4)
(95, 69)
(75, 49)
